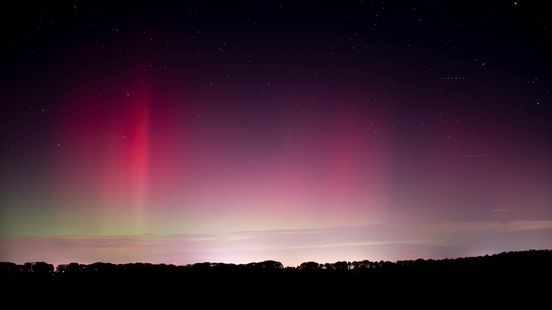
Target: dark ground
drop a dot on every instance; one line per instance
(521, 278)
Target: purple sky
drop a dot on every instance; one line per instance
(369, 130)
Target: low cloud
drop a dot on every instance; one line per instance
(374, 242)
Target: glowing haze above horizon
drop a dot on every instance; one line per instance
(180, 134)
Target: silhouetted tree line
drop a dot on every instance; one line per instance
(521, 261)
(36, 267)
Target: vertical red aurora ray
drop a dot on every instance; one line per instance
(105, 139)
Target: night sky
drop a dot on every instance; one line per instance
(184, 132)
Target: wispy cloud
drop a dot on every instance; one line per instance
(374, 242)
(497, 226)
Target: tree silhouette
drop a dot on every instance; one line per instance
(505, 263)
(42, 268)
(309, 266)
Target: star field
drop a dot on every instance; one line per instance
(381, 130)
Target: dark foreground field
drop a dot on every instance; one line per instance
(517, 276)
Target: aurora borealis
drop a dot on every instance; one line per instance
(198, 132)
